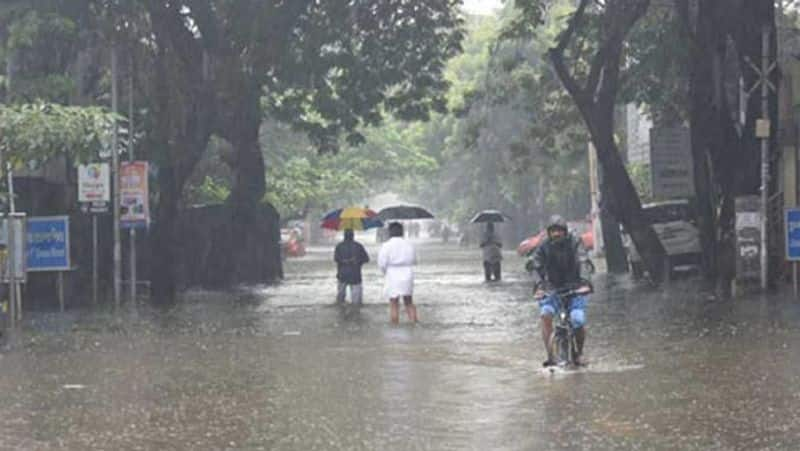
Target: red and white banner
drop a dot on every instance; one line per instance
(134, 195)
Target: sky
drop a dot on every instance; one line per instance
(482, 6)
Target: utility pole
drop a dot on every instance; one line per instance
(764, 134)
(132, 230)
(115, 177)
(11, 260)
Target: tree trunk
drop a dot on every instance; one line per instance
(702, 122)
(613, 247)
(622, 201)
(165, 234)
(725, 158)
(595, 100)
(184, 108)
(614, 250)
(251, 254)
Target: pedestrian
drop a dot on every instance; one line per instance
(349, 255)
(492, 254)
(445, 233)
(396, 260)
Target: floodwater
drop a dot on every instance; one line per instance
(280, 368)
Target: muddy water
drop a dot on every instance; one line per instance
(280, 368)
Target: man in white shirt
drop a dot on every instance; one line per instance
(396, 260)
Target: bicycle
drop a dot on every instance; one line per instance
(562, 344)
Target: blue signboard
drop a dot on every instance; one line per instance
(48, 243)
(792, 228)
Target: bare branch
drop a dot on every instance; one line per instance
(596, 68)
(605, 68)
(569, 82)
(573, 24)
(557, 53)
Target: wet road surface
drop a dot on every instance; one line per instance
(280, 368)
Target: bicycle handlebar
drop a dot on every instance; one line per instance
(581, 288)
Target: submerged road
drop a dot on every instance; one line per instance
(280, 368)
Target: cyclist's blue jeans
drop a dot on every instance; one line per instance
(550, 306)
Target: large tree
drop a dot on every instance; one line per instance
(588, 57)
(326, 68)
(725, 37)
(218, 68)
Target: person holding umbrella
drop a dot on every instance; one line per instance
(492, 255)
(490, 242)
(349, 256)
(396, 261)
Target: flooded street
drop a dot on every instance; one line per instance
(281, 368)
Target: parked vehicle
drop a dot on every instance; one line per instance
(292, 243)
(674, 223)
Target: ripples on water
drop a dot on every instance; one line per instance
(280, 368)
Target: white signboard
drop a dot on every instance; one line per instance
(94, 183)
(671, 169)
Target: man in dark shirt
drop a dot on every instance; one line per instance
(349, 255)
(556, 261)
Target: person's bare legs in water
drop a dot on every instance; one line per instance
(395, 310)
(547, 331)
(411, 309)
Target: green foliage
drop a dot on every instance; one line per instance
(351, 63)
(658, 66)
(518, 143)
(210, 192)
(39, 41)
(37, 132)
(299, 180)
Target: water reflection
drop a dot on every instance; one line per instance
(282, 368)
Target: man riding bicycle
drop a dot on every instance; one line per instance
(557, 263)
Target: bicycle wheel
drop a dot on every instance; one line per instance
(573, 349)
(559, 346)
(587, 268)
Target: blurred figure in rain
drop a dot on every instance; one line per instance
(349, 255)
(396, 260)
(492, 254)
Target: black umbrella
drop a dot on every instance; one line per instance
(490, 216)
(404, 212)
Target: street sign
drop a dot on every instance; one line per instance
(94, 183)
(748, 237)
(134, 195)
(48, 243)
(792, 227)
(94, 187)
(672, 174)
(95, 208)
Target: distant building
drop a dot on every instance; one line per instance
(637, 134)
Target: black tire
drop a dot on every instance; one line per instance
(587, 267)
(559, 347)
(573, 350)
(637, 271)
